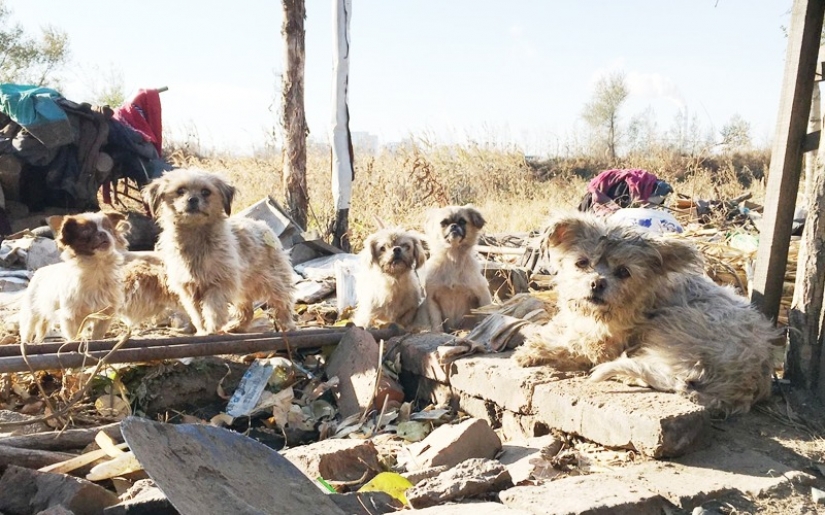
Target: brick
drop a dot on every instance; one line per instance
(451, 444)
(354, 362)
(336, 459)
(596, 494)
(704, 475)
(26, 491)
(472, 508)
(654, 423)
(470, 478)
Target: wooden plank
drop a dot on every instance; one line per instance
(786, 154)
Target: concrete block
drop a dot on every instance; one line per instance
(596, 494)
(516, 455)
(451, 444)
(468, 479)
(335, 459)
(418, 354)
(485, 375)
(654, 423)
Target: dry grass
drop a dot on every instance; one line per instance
(514, 194)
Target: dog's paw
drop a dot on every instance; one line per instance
(525, 357)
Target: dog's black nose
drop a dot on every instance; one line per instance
(598, 285)
(396, 251)
(193, 201)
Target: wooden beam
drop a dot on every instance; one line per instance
(786, 153)
(340, 138)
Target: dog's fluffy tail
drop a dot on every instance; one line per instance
(654, 375)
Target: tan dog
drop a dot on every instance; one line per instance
(640, 308)
(453, 280)
(214, 261)
(89, 281)
(388, 287)
(148, 296)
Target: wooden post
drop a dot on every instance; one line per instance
(340, 138)
(802, 365)
(786, 154)
(293, 115)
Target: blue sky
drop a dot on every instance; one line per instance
(511, 71)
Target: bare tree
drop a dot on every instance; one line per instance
(602, 112)
(25, 59)
(294, 117)
(736, 134)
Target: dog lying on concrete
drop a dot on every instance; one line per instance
(639, 308)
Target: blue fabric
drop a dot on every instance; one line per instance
(30, 105)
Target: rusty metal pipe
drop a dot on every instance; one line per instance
(95, 345)
(53, 361)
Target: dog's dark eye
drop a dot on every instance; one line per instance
(462, 222)
(205, 192)
(622, 272)
(445, 223)
(406, 246)
(383, 248)
(582, 263)
(180, 191)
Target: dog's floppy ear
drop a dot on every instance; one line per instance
(152, 194)
(66, 233)
(370, 255)
(565, 230)
(475, 216)
(418, 253)
(227, 192)
(55, 222)
(677, 255)
(115, 217)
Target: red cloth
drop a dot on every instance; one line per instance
(641, 184)
(143, 114)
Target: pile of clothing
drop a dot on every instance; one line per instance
(621, 188)
(55, 152)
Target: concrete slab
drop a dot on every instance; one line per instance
(615, 415)
(690, 481)
(418, 354)
(597, 494)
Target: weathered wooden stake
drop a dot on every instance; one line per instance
(340, 138)
(293, 115)
(786, 154)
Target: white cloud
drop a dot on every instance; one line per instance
(654, 86)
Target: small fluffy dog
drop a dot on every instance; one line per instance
(148, 296)
(387, 285)
(88, 281)
(217, 264)
(452, 276)
(640, 308)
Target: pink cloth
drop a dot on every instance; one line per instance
(143, 114)
(641, 184)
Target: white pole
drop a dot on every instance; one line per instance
(339, 135)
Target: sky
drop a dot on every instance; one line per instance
(507, 72)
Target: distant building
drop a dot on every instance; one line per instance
(364, 142)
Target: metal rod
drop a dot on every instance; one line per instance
(94, 345)
(10, 364)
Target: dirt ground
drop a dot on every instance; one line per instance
(789, 429)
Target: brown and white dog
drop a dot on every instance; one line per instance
(639, 308)
(388, 287)
(452, 276)
(218, 264)
(89, 281)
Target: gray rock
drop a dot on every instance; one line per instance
(469, 478)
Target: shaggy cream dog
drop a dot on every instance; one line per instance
(452, 276)
(217, 264)
(388, 287)
(639, 308)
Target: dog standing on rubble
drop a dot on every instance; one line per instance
(640, 308)
(86, 286)
(389, 290)
(218, 265)
(452, 276)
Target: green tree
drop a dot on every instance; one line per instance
(26, 59)
(602, 112)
